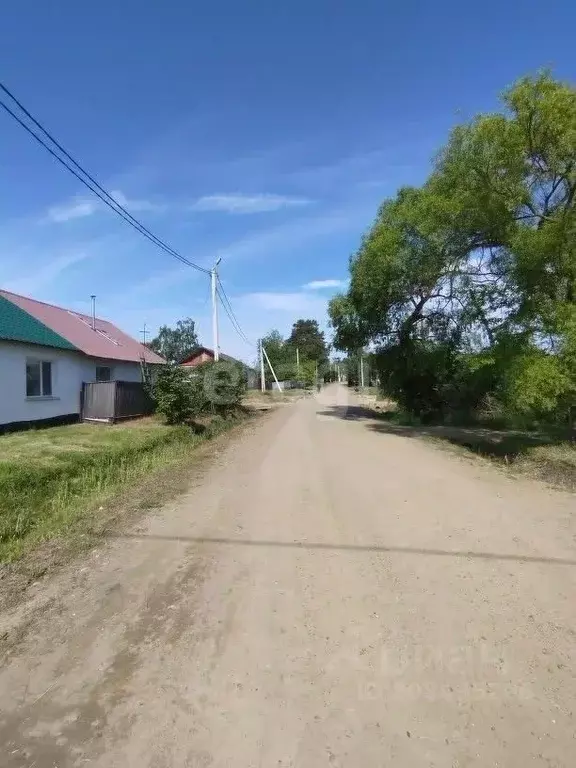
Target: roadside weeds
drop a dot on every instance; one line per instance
(105, 496)
(546, 456)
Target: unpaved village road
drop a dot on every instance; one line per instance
(329, 595)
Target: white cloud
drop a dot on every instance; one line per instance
(135, 204)
(159, 282)
(284, 302)
(318, 285)
(302, 303)
(80, 208)
(285, 238)
(37, 279)
(77, 209)
(244, 204)
(261, 311)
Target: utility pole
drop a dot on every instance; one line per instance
(213, 285)
(272, 369)
(262, 375)
(144, 333)
(297, 363)
(361, 370)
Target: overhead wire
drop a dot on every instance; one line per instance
(233, 321)
(231, 314)
(93, 185)
(227, 305)
(230, 311)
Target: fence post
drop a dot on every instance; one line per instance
(82, 396)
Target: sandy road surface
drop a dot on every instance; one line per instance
(329, 595)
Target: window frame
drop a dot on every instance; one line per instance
(106, 367)
(41, 363)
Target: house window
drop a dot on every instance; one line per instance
(103, 373)
(38, 378)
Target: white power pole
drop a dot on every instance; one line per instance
(272, 369)
(262, 375)
(362, 370)
(297, 363)
(213, 285)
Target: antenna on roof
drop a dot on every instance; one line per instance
(93, 297)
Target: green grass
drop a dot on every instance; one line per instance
(60, 445)
(52, 480)
(255, 396)
(555, 464)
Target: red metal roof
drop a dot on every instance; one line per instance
(106, 341)
(196, 357)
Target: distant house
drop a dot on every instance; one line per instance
(206, 355)
(47, 353)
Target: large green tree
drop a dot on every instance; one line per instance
(307, 337)
(513, 177)
(281, 356)
(467, 285)
(176, 344)
(305, 344)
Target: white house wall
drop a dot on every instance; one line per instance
(69, 371)
(15, 406)
(121, 371)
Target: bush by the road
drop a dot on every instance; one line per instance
(183, 394)
(176, 395)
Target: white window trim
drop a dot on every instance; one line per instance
(39, 361)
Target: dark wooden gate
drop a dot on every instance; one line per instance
(112, 400)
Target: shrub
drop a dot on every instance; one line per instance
(421, 377)
(536, 386)
(220, 385)
(176, 397)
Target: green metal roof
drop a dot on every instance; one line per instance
(18, 325)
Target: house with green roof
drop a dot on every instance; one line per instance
(47, 353)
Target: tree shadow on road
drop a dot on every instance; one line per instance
(556, 465)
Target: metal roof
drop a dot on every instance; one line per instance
(190, 360)
(105, 341)
(18, 325)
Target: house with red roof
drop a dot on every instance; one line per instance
(47, 353)
(206, 355)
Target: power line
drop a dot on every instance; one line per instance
(94, 186)
(233, 321)
(230, 312)
(226, 303)
(231, 315)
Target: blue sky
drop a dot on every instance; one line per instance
(261, 132)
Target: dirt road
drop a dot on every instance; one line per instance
(329, 595)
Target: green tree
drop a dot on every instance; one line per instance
(308, 339)
(281, 355)
(177, 400)
(514, 177)
(176, 344)
(467, 285)
(222, 385)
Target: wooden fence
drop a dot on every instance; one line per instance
(110, 401)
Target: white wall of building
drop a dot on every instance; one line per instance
(69, 371)
(120, 371)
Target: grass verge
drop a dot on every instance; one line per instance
(58, 483)
(269, 398)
